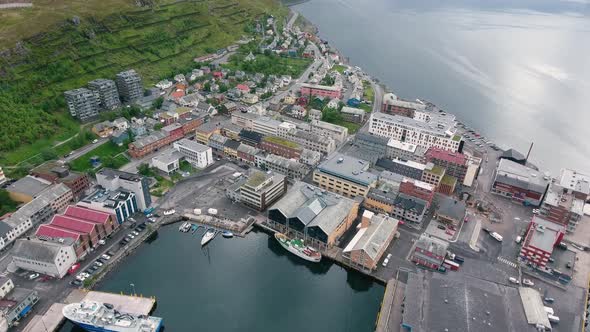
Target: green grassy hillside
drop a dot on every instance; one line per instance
(57, 54)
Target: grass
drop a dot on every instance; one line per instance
(352, 127)
(369, 94)
(112, 36)
(104, 152)
(271, 65)
(365, 107)
(339, 68)
(281, 141)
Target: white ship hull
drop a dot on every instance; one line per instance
(209, 235)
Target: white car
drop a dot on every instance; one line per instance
(131, 236)
(388, 256)
(102, 242)
(94, 141)
(33, 276)
(97, 263)
(528, 282)
(169, 212)
(514, 280)
(135, 233)
(536, 211)
(385, 262)
(105, 256)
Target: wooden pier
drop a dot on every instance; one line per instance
(239, 228)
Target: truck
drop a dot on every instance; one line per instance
(449, 264)
(212, 211)
(549, 310)
(496, 236)
(553, 319)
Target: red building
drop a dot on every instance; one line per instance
(243, 87)
(418, 189)
(55, 172)
(541, 237)
(190, 124)
(156, 140)
(320, 90)
(429, 251)
(217, 74)
(455, 163)
(106, 222)
(281, 147)
(393, 105)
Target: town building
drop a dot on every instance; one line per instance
(407, 168)
(433, 174)
(409, 208)
(103, 129)
(309, 90)
(310, 158)
(55, 172)
(344, 175)
(393, 105)
(520, 183)
(382, 198)
(6, 285)
(167, 161)
(351, 114)
(371, 145)
(199, 155)
(129, 85)
(230, 148)
(231, 130)
(27, 188)
(577, 183)
(541, 237)
(405, 151)
(473, 164)
(17, 304)
(108, 95)
(259, 189)
(83, 104)
(290, 168)
(112, 179)
(315, 115)
(281, 147)
(265, 125)
(217, 142)
(514, 156)
(418, 189)
(429, 251)
(336, 132)
(455, 163)
(39, 210)
(247, 154)
(204, 131)
(249, 98)
(438, 131)
(367, 247)
(450, 211)
(250, 137)
(154, 141)
(562, 207)
(244, 120)
(44, 257)
(318, 217)
(447, 185)
(307, 140)
(120, 203)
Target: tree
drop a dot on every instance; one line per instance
(158, 103)
(48, 154)
(144, 169)
(207, 87)
(158, 126)
(6, 203)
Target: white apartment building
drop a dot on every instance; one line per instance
(337, 132)
(265, 126)
(438, 131)
(199, 155)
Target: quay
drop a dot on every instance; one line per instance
(239, 228)
(53, 319)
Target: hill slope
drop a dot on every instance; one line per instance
(157, 41)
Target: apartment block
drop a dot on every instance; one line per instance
(83, 104)
(345, 175)
(112, 179)
(129, 85)
(107, 93)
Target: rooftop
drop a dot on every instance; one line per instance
(149, 139)
(40, 202)
(314, 206)
(435, 169)
(373, 238)
(392, 99)
(209, 127)
(29, 185)
(191, 145)
(232, 144)
(168, 157)
(557, 196)
(329, 126)
(432, 244)
(393, 143)
(440, 124)
(281, 141)
(410, 203)
(111, 174)
(451, 208)
(290, 164)
(513, 154)
(87, 214)
(37, 250)
(319, 87)
(352, 110)
(515, 174)
(575, 181)
(456, 158)
(348, 168)
(107, 198)
(448, 180)
(543, 234)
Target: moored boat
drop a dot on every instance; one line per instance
(208, 236)
(297, 247)
(102, 317)
(227, 234)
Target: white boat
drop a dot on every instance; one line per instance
(297, 247)
(185, 227)
(102, 317)
(208, 236)
(227, 234)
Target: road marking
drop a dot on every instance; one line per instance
(507, 262)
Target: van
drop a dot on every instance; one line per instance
(459, 259)
(518, 239)
(553, 319)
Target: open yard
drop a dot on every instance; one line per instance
(109, 154)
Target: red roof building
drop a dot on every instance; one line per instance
(81, 241)
(106, 222)
(243, 88)
(455, 163)
(78, 225)
(176, 95)
(217, 74)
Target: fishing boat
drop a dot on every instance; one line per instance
(208, 236)
(102, 317)
(297, 247)
(227, 234)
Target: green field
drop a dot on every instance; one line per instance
(57, 55)
(109, 153)
(369, 94)
(268, 64)
(339, 68)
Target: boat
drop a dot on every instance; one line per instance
(208, 236)
(185, 227)
(102, 317)
(227, 234)
(297, 247)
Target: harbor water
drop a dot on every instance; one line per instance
(243, 284)
(518, 71)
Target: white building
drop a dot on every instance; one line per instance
(48, 258)
(6, 285)
(439, 131)
(167, 161)
(266, 126)
(165, 84)
(113, 179)
(199, 155)
(337, 132)
(2, 176)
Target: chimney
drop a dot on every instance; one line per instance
(366, 220)
(529, 153)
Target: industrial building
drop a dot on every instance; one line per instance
(541, 237)
(120, 203)
(44, 257)
(429, 251)
(520, 183)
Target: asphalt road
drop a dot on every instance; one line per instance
(85, 149)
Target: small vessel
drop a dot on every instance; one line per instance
(102, 317)
(208, 236)
(297, 247)
(185, 227)
(227, 234)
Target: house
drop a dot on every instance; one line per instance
(121, 123)
(333, 103)
(44, 257)
(203, 107)
(297, 112)
(450, 211)
(250, 98)
(179, 78)
(103, 129)
(196, 73)
(243, 88)
(217, 74)
(168, 161)
(164, 84)
(191, 100)
(119, 137)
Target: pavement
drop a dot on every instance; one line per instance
(85, 149)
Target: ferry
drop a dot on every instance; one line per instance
(208, 237)
(102, 317)
(297, 247)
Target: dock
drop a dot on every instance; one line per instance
(239, 228)
(53, 318)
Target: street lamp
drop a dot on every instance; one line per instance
(133, 288)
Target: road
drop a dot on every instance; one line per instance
(85, 149)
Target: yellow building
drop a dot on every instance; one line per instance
(433, 174)
(204, 132)
(345, 175)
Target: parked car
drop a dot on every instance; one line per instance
(459, 259)
(94, 141)
(75, 282)
(568, 265)
(102, 242)
(105, 256)
(562, 245)
(110, 253)
(466, 219)
(97, 263)
(528, 282)
(441, 227)
(123, 242)
(33, 276)
(449, 232)
(549, 299)
(131, 236)
(135, 233)
(514, 280)
(385, 261)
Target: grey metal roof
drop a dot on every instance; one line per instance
(432, 244)
(314, 206)
(368, 137)
(168, 156)
(513, 154)
(410, 203)
(37, 250)
(110, 174)
(149, 139)
(4, 228)
(517, 175)
(40, 202)
(374, 237)
(348, 168)
(545, 234)
(191, 145)
(232, 144)
(440, 124)
(29, 185)
(350, 110)
(451, 208)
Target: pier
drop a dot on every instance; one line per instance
(53, 318)
(239, 228)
